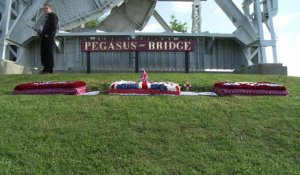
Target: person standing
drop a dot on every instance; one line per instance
(47, 35)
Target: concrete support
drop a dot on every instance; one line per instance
(9, 67)
(5, 29)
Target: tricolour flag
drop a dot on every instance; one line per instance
(144, 76)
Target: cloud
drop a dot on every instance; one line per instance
(182, 7)
(281, 21)
(153, 27)
(287, 49)
(218, 12)
(288, 43)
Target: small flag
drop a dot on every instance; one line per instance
(144, 76)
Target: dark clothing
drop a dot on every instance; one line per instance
(47, 54)
(47, 43)
(50, 26)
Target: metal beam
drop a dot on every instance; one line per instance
(162, 22)
(196, 16)
(245, 30)
(271, 27)
(5, 28)
(262, 53)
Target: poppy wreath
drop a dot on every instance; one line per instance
(249, 88)
(68, 88)
(146, 88)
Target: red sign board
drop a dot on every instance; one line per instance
(137, 45)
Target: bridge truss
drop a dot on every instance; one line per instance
(126, 16)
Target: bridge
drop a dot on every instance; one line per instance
(246, 46)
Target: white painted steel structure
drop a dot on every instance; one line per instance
(18, 41)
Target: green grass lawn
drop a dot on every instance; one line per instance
(107, 134)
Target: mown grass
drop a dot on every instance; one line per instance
(107, 134)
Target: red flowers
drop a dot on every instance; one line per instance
(249, 88)
(43, 88)
(50, 85)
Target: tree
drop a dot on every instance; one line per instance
(177, 25)
(94, 24)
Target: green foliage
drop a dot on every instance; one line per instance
(94, 24)
(178, 25)
(108, 134)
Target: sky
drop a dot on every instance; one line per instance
(286, 24)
